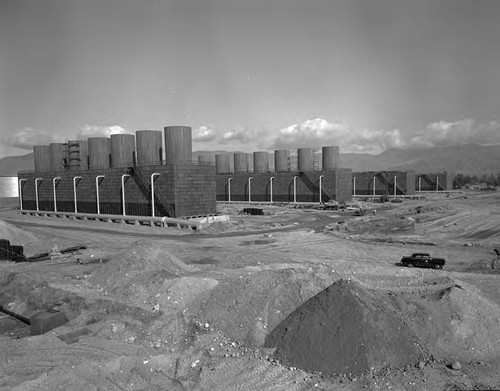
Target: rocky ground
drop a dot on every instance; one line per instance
(296, 299)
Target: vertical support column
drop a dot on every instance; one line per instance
(395, 181)
(419, 183)
(354, 186)
(229, 189)
(374, 179)
(437, 183)
(74, 192)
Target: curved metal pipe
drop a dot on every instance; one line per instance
(320, 187)
(54, 189)
(354, 186)
(271, 188)
(374, 178)
(20, 191)
(123, 192)
(250, 189)
(295, 189)
(97, 192)
(74, 192)
(153, 192)
(229, 189)
(395, 181)
(36, 193)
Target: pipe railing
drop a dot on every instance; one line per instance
(36, 193)
(97, 191)
(57, 178)
(153, 192)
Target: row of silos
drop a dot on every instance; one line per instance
(118, 150)
(282, 161)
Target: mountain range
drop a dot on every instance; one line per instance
(467, 159)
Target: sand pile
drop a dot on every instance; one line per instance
(345, 329)
(141, 263)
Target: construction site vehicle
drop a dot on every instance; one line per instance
(423, 260)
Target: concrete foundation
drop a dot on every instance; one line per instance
(46, 321)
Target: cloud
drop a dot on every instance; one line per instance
(87, 131)
(204, 133)
(443, 133)
(27, 137)
(319, 132)
(238, 133)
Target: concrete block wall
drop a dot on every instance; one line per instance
(194, 190)
(384, 183)
(434, 181)
(335, 186)
(188, 193)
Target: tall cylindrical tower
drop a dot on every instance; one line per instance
(178, 144)
(281, 160)
(41, 154)
(149, 150)
(223, 164)
(78, 155)
(330, 157)
(122, 150)
(206, 158)
(58, 158)
(99, 152)
(306, 159)
(260, 162)
(240, 162)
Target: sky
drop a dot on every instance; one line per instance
(366, 75)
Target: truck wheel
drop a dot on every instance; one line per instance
(410, 265)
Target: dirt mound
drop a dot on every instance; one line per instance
(138, 263)
(345, 329)
(20, 237)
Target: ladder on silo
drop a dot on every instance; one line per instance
(145, 186)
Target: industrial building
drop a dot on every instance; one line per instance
(236, 181)
(121, 175)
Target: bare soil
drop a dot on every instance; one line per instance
(296, 299)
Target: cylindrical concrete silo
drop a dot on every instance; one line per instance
(260, 162)
(178, 144)
(240, 162)
(149, 150)
(122, 150)
(223, 164)
(305, 159)
(99, 152)
(281, 160)
(58, 156)
(41, 155)
(206, 158)
(330, 157)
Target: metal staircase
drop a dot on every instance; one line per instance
(145, 186)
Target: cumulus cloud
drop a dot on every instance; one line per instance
(27, 137)
(443, 133)
(98, 131)
(320, 132)
(204, 133)
(238, 133)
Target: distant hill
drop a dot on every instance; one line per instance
(9, 166)
(466, 159)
